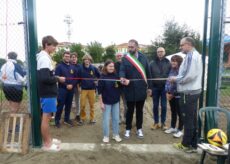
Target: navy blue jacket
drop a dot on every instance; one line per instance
(136, 90)
(110, 90)
(68, 71)
(90, 72)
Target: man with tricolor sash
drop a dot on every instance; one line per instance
(134, 72)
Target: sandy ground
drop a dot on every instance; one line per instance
(93, 134)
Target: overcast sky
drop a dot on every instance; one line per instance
(115, 21)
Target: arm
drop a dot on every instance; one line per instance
(100, 89)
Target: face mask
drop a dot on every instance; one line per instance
(132, 52)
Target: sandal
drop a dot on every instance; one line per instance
(56, 141)
(53, 148)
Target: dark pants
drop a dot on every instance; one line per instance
(159, 93)
(65, 98)
(139, 114)
(188, 104)
(175, 111)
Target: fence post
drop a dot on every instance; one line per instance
(214, 53)
(32, 50)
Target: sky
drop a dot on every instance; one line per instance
(115, 21)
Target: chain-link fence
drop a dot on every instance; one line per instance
(224, 94)
(13, 93)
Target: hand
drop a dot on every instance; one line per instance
(102, 107)
(172, 79)
(69, 86)
(61, 79)
(124, 81)
(169, 96)
(149, 92)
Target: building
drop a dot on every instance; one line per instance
(123, 48)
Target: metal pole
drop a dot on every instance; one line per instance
(204, 51)
(214, 53)
(32, 50)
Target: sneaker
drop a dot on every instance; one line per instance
(155, 126)
(127, 134)
(171, 130)
(117, 138)
(105, 139)
(69, 123)
(92, 122)
(58, 125)
(163, 126)
(179, 146)
(178, 134)
(191, 150)
(140, 133)
(78, 120)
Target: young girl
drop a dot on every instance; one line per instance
(109, 96)
(173, 98)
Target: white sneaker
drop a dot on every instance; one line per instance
(117, 138)
(140, 133)
(105, 139)
(178, 134)
(171, 130)
(127, 134)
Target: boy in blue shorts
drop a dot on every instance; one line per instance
(47, 90)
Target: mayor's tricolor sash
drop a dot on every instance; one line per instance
(135, 62)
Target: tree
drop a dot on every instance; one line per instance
(109, 53)
(78, 48)
(96, 50)
(57, 57)
(170, 39)
(2, 61)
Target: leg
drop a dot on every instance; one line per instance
(60, 105)
(177, 106)
(139, 114)
(91, 96)
(83, 104)
(115, 118)
(77, 101)
(124, 104)
(129, 115)
(163, 105)
(202, 157)
(68, 104)
(45, 129)
(172, 104)
(156, 97)
(106, 120)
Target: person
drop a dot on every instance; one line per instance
(74, 62)
(47, 90)
(65, 90)
(109, 97)
(189, 86)
(134, 65)
(123, 110)
(159, 68)
(13, 79)
(88, 87)
(174, 97)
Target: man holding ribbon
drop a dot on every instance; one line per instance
(134, 71)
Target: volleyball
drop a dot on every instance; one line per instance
(217, 137)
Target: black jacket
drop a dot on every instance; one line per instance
(136, 90)
(160, 69)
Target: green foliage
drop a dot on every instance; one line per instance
(170, 39)
(20, 62)
(78, 48)
(110, 52)
(2, 61)
(57, 57)
(96, 50)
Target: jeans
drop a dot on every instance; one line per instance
(175, 111)
(139, 114)
(159, 93)
(188, 104)
(114, 111)
(65, 98)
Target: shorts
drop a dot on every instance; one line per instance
(12, 93)
(48, 105)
